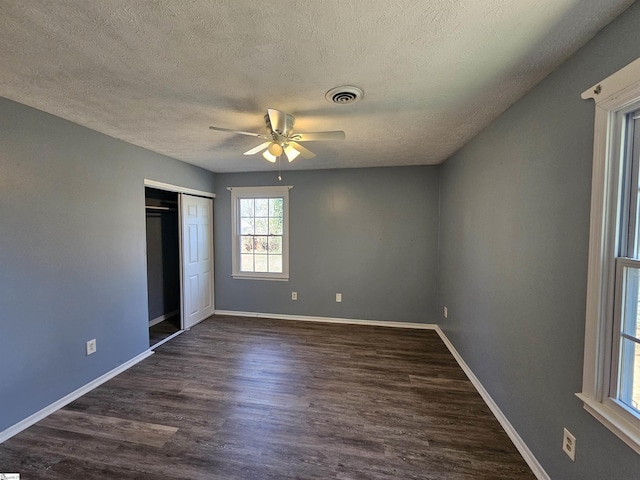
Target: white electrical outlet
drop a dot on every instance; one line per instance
(294, 295)
(338, 297)
(446, 312)
(91, 347)
(569, 444)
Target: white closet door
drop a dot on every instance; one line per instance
(197, 259)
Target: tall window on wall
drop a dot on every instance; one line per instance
(611, 373)
(625, 382)
(260, 225)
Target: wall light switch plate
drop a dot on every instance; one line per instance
(446, 312)
(338, 297)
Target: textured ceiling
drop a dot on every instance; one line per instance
(158, 73)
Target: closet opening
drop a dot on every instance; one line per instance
(163, 264)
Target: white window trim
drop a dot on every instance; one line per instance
(611, 96)
(262, 192)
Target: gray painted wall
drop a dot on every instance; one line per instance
(370, 234)
(514, 240)
(72, 254)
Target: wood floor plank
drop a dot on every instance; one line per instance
(245, 398)
(109, 427)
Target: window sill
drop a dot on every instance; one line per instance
(237, 276)
(609, 416)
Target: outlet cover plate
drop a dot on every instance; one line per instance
(569, 444)
(91, 347)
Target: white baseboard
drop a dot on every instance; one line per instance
(502, 419)
(165, 340)
(307, 318)
(511, 432)
(48, 410)
(162, 318)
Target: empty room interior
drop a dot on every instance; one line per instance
(349, 240)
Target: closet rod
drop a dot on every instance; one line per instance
(153, 207)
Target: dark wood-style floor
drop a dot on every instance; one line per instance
(239, 398)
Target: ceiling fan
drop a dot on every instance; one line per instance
(282, 139)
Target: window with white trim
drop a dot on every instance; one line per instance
(611, 375)
(260, 226)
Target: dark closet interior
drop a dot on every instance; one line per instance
(163, 264)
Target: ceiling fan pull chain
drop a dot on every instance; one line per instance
(279, 169)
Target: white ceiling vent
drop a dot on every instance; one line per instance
(344, 95)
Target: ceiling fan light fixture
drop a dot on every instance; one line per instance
(275, 149)
(291, 153)
(269, 157)
(281, 139)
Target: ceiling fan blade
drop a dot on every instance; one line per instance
(303, 151)
(318, 136)
(257, 149)
(278, 120)
(251, 134)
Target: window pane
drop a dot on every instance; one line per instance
(261, 263)
(630, 179)
(246, 207)
(630, 299)
(629, 360)
(629, 372)
(636, 230)
(275, 207)
(246, 244)
(275, 245)
(262, 207)
(246, 263)
(275, 263)
(246, 226)
(275, 226)
(262, 226)
(261, 244)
